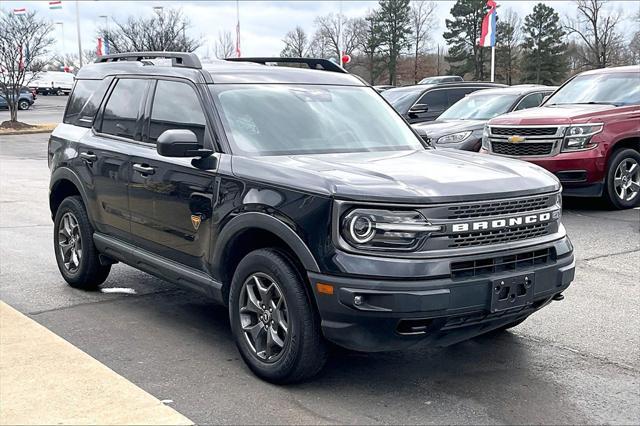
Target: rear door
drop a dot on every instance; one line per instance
(171, 199)
(455, 94)
(102, 155)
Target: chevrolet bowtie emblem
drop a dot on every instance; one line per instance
(196, 219)
(515, 139)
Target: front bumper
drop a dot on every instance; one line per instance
(582, 173)
(395, 314)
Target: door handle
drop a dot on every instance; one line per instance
(144, 170)
(89, 156)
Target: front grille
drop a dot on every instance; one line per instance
(495, 208)
(522, 149)
(493, 265)
(524, 131)
(498, 236)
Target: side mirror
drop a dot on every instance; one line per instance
(419, 109)
(180, 143)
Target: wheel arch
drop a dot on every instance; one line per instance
(251, 231)
(65, 183)
(632, 142)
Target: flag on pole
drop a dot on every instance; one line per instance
(105, 45)
(488, 35)
(20, 11)
(55, 5)
(238, 40)
(99, 49)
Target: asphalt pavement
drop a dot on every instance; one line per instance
(45, 110)
(576, 361)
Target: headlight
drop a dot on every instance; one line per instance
(374, 229)
(454, 137)
(485, 138)
(578, 137)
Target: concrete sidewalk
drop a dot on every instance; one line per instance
(46, 380)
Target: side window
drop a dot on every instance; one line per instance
(437, 100)
(85, 101)
(176, 106)
(456, 94)
(121, 113)
(530, 101)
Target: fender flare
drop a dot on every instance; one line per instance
(65, 173)
(267, 223)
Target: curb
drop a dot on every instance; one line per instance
(45, 128)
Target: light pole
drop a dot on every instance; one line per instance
(106, 33)
(159, 10)
(78, 28)
(62, 38)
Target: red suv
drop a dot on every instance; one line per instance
(587, 133)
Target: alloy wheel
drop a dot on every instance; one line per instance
(264, 317)
(70, 242)
(626, 180)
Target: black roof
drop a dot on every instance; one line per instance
(187, 65)
(453, 84)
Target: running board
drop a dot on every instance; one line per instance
(159, 266)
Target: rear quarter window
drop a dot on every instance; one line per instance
(84, 102)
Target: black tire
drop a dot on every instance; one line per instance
(610, 193)
(23, 105)
(304, 351)
(89, 272)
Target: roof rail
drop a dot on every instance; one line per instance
(313, 63)
(178, 59)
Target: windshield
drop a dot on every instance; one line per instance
(402, 99)
(479, 107)
(302, 119)
(610, 88)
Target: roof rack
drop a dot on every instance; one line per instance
(178, 59)
(313, 63)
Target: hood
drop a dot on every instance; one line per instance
(413, 177)
(556, 114)
(438, 128)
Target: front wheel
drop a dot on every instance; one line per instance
(623, 179)
(76, 255)
(23, 105)
(274, 324)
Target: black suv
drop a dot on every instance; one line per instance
(301, 200)
(425, 102)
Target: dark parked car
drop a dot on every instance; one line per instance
(425, 102)
(461, 125)
(303, 202)
(25, 99)
(441, 79)
(383, 87)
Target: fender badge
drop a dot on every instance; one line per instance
(515, 139)
(196, 219)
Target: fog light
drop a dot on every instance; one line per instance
(358, 300)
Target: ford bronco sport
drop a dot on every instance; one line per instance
(587, 133)
(301, 200)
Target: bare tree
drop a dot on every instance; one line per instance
(58, 62)
(597, 30)
(336, 33)
(422, 19)
(508, 39)
(296, 44)
(634, 43)
(165, 30)
(224, 47)
(24, 41)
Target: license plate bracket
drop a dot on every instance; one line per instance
(512, 292)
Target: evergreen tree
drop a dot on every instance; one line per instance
(543, 54)
(394, 26)
(463, 32)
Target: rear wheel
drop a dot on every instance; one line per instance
(623, 179)
(23, 105)
(275, 325)
(76, 254)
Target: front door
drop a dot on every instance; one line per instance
(170, 199)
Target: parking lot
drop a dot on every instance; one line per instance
(45, 110)
(577, 361)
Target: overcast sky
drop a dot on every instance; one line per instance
(263, 23)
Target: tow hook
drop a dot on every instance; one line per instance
(558, 297)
